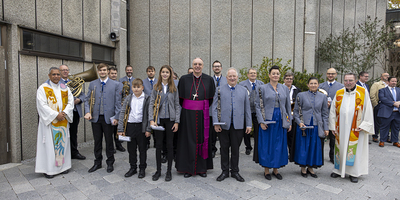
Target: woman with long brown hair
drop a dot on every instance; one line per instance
(164, 101)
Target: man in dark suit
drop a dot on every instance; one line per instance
(288, 82)
(73, 127)
(362, 80)
(331, 86)
(106, 108)
(389, 112)
(218, 80)
(251, 84)
(234, 104)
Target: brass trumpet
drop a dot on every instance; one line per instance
(126, 116)
(157, 106)
(125, 90)
(92, 100)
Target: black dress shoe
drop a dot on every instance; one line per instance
(168, 176)
(311, 174)
(131, 172)
(78, 156)
(237, 177)
(203, 175)
(120, 148)
(267, 176)
(48, 176)
(156, 176)
(163, 159)
(94, 168)
(223, 176)
(187, 175)
(142, 173)
(375, 140)
(303, 174)
(334, 175)
(110, 168)
(278, 175)
(65, 172)
(353, 179)
(248, 151)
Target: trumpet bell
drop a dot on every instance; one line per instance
(323, 91)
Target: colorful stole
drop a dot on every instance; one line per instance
(353, 139)
(58, 128)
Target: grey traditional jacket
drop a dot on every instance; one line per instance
(111, 100)
(147, 86)
(234, 104)
(252, 92)
(312, 105)
(145, 121)
(125, 78)
(331, 90)
(268, 96)
(173, 106)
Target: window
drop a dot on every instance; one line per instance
(102, 54)
(51, 45)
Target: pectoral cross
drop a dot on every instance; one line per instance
(194, 96)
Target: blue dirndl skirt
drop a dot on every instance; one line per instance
(272, 143)
(308, 149)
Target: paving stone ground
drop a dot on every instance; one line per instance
(382, 182)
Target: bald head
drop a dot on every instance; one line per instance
(331, 74)
(197, 65)
(385, 76)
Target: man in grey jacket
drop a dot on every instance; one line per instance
(331, 86)
(233, 102)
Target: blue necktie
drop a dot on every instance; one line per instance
(66, 81)
(102, 86)
(394, 97)
(254, 86)
(217, 81)
(232, 89)
(330, 84)
(151, 82)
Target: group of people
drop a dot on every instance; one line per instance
(187, 116)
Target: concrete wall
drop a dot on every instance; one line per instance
(88, 20)
(239, 33)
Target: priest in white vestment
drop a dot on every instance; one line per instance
(351, 120)
(55, 104)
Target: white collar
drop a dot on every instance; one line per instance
(151, 79)
(255, 81)
(105, 81)
(140, 97)
(232, 86)
(333, 82)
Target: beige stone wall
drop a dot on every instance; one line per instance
(88, 20)
(238, 33)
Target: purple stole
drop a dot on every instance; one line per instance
(204, 106)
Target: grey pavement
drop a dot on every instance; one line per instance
(20, 181)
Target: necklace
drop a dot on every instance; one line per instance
(197, 88)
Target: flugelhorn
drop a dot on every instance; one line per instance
(92, 100)
(157, 106)
(126, 116)
(77, 80)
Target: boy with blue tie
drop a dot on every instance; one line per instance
(106, 106)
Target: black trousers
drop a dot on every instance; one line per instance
(246, 137)
(73, 134)
(213, 136)
(167, 136)
(232, 139)
(99, 128)
(331, 145)
(138, 139)
(115, 136)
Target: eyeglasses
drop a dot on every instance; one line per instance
(217, 66)
(64, 70)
